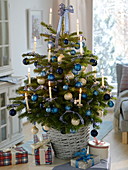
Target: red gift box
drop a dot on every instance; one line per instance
(15, 156)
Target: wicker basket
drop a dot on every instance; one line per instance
(65, 145)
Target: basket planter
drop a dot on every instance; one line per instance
(65, 145)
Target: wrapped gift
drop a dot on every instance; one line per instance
(43, 152)
(99, 148)
(13, 156)
(84, 160)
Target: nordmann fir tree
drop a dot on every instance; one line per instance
(63, 95)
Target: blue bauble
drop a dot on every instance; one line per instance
(110, 103)
(35, 63)
(75, 72)
(107, 97)
(94, 133)
(44, 130)
(54, 110)
(53, 58)
(34, 97)
(50, 43)
(88, 113)
(72, 52)
(95, 92)
(84, 95)
(77, 46)
(72, 131)
(41, 105)
(65, 87)
(25, 61)
(93, 62)
(66, 41)
(12, 112)
(78, 84)
(51, 77)
(83, 44)
(43, 73)
(48, 109)
(77, 67)
(55, 89)
(59, 70)
(67, 108)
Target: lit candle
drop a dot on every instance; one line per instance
(29, 76)
(102, 78)
(81, 45)
(80, 95)
(77, 27)
(49, 52)
(50, 17)
(94, 69)
(34, 47)
(26, 99)
(50, 90)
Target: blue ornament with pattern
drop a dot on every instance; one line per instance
(43, 73)
(75, 72)
(51, 77)
(12, 112)
(67, 108)
(77, 67)
(78, 84)
(65, 87)
(110, 103)
(107, 97)
(88, 112)
(93, 62)
(95, 92)
(84, 95)
(59, 70)
(54, 110)
(53, 58)
(34, 97)
(48, 109)
(77, 46)
(72, 52)
(66, 41)
(94, 133)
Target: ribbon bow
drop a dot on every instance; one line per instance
(41, 144)
(83, 157)
(63, 12)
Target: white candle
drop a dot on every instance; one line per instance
(26, 99)
(81, 45)
(50, 17)
(94, 69)
(80, 95)
(29, 76)
(49, 52)
(50, 90)
(77, 27)
(34, 47)
(102, 78)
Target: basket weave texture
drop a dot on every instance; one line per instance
(65, 145)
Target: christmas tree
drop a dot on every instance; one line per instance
(63, 95)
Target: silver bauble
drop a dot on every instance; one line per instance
(70, 75)
(34, 130)
(75, 122)
(68, 96)
(46, 128)
(61, 56)
(83, 81)
(41, 81)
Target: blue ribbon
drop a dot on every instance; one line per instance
(83, 157)
(63, 12)
(69, 111)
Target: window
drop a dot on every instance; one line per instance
(5, 62)
(110, 35)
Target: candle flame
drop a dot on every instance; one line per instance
(50, 10)
(80, 90)
(49, 83)
(34, 39)
(28, 69)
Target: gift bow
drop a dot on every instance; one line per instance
(83, 156)
(63, 12)
(41, 144)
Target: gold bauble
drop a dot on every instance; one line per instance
(83, 81)
(34, 130)
(61, 56)
(68, 96)
(75, 122)
(70, 75)
(41, 81)
(46, 128)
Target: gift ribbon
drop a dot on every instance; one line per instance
(98, 142)
(63, 12)
(83, 156)
(13, 153)
(69, 111)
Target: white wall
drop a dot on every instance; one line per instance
(18, 30)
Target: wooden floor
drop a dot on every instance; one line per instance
(119, 152)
